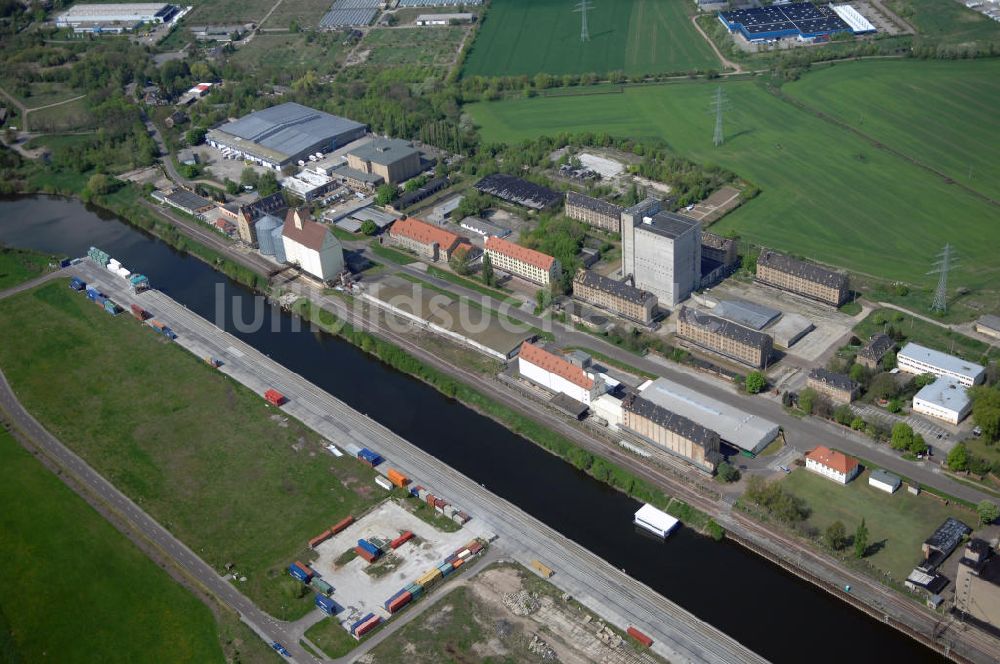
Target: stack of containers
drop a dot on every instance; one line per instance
(112, 308)
(300, 572)
(461, 518)
(415, 490)
(327, 605)
(430, 577)
(397, 601)
(422, 494)
(98, 256)
(415, 590)
(77, 284)
(92, 293)
(367, 550)
(365, 625)
(368, 457)
(446, 568)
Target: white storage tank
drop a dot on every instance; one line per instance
(264, 226)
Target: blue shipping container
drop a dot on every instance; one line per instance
(298, 574)
(92, 292)
(326, 604)
(370, 457)
(77, 284)
(169, 334)
(369, 547)
(413, 491)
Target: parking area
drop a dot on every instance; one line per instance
(361, 588)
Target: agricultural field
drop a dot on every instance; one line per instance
(897, 524)
(525, 37)
(434, 47)
(947, 22)
(306, 13)
(290, 55)
(225, 12)
(182, 440)
(824, 189)
(938, 117)
(61, 590)
(20, 265)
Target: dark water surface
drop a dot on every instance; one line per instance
(773, 612)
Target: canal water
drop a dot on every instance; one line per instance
(771, 611)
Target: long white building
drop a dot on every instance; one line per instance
(311, 246)
(114, 17)
(944, 399)
(917, 359)
(557, 374)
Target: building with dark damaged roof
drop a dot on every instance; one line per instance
(803, 278)
(615, 296)
(872, 353)
(594, 211)
(517, 190)
(672, 432)
(724, 337)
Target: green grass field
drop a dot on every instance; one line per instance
(233, 478)
(19, 265)
(947, 22)
(289, 55)
(963, 108)
(306, 13)
(75, 590)
(826, 193)
(927, 334)
(897, 524)
(434, 47)
(331, 638)
(634, 36)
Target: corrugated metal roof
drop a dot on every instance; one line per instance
(940, 360)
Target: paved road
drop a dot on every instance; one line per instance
(612, 594)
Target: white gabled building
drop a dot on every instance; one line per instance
(311, 246)
(831, 464)
(557, 374)
(917, 359)
(945, 399)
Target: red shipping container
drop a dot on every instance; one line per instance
(440, 503)
(431, 499)
(400, 602)
(639, 636)
(322, 537)
(401, 540)
(367, 627)
(368, 558)
(139, 312)
(340, 525)
(305, 569)
(476, 547)
(274, 397)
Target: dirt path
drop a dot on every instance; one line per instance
(737, 69)
(25, 111)
(268, 14)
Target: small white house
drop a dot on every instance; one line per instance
(945, 399)
(884, 481)
(832, 464)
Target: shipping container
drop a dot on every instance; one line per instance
(299, 572)
(319, 539)
(112, 308)
(340, 525)
(369, 457)
(398, 602)
(384, 483)
(212, 362)
(450, 511)
(367, 626)
(139, 312)
(168, 333)
(274, 397)
(100, 300)
(542, 569)
(92, 292)
(462, 518)
(157, 324)
(464, 553)
(77, 284)
(430, 499)
(364, 555)
(422, 494)
(359, 623)
(305, 569)
(369, 547)
(322, 586)
(458, 562)
(430, 577)
(639, 636)
(401, 540)
(415, 490)
(398, 478)
(415, 589)
(440, 503)
(327, 605)
(451, 558)
(475, 547)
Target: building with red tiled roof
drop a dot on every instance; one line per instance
(521, 261)
(556, 373)
(833, 465)
(424, 239)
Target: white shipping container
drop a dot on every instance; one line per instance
(384, 483)
(464, 553)
(334, 451)
(112, 267)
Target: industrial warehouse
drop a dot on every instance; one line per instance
(802, 278)
(283, 135)
(392, 159)
(670, 431)
(723, 337)
(615, 296)
(115, 17)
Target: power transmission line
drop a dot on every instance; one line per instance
(945, 261)
(719, 103)
(582, 8)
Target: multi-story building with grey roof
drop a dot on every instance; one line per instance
(723, 337)
(615, 296)
(594, 211)
(803, 278)
(393, 159)
(672, 432)
(661, 251)
(838, 388)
